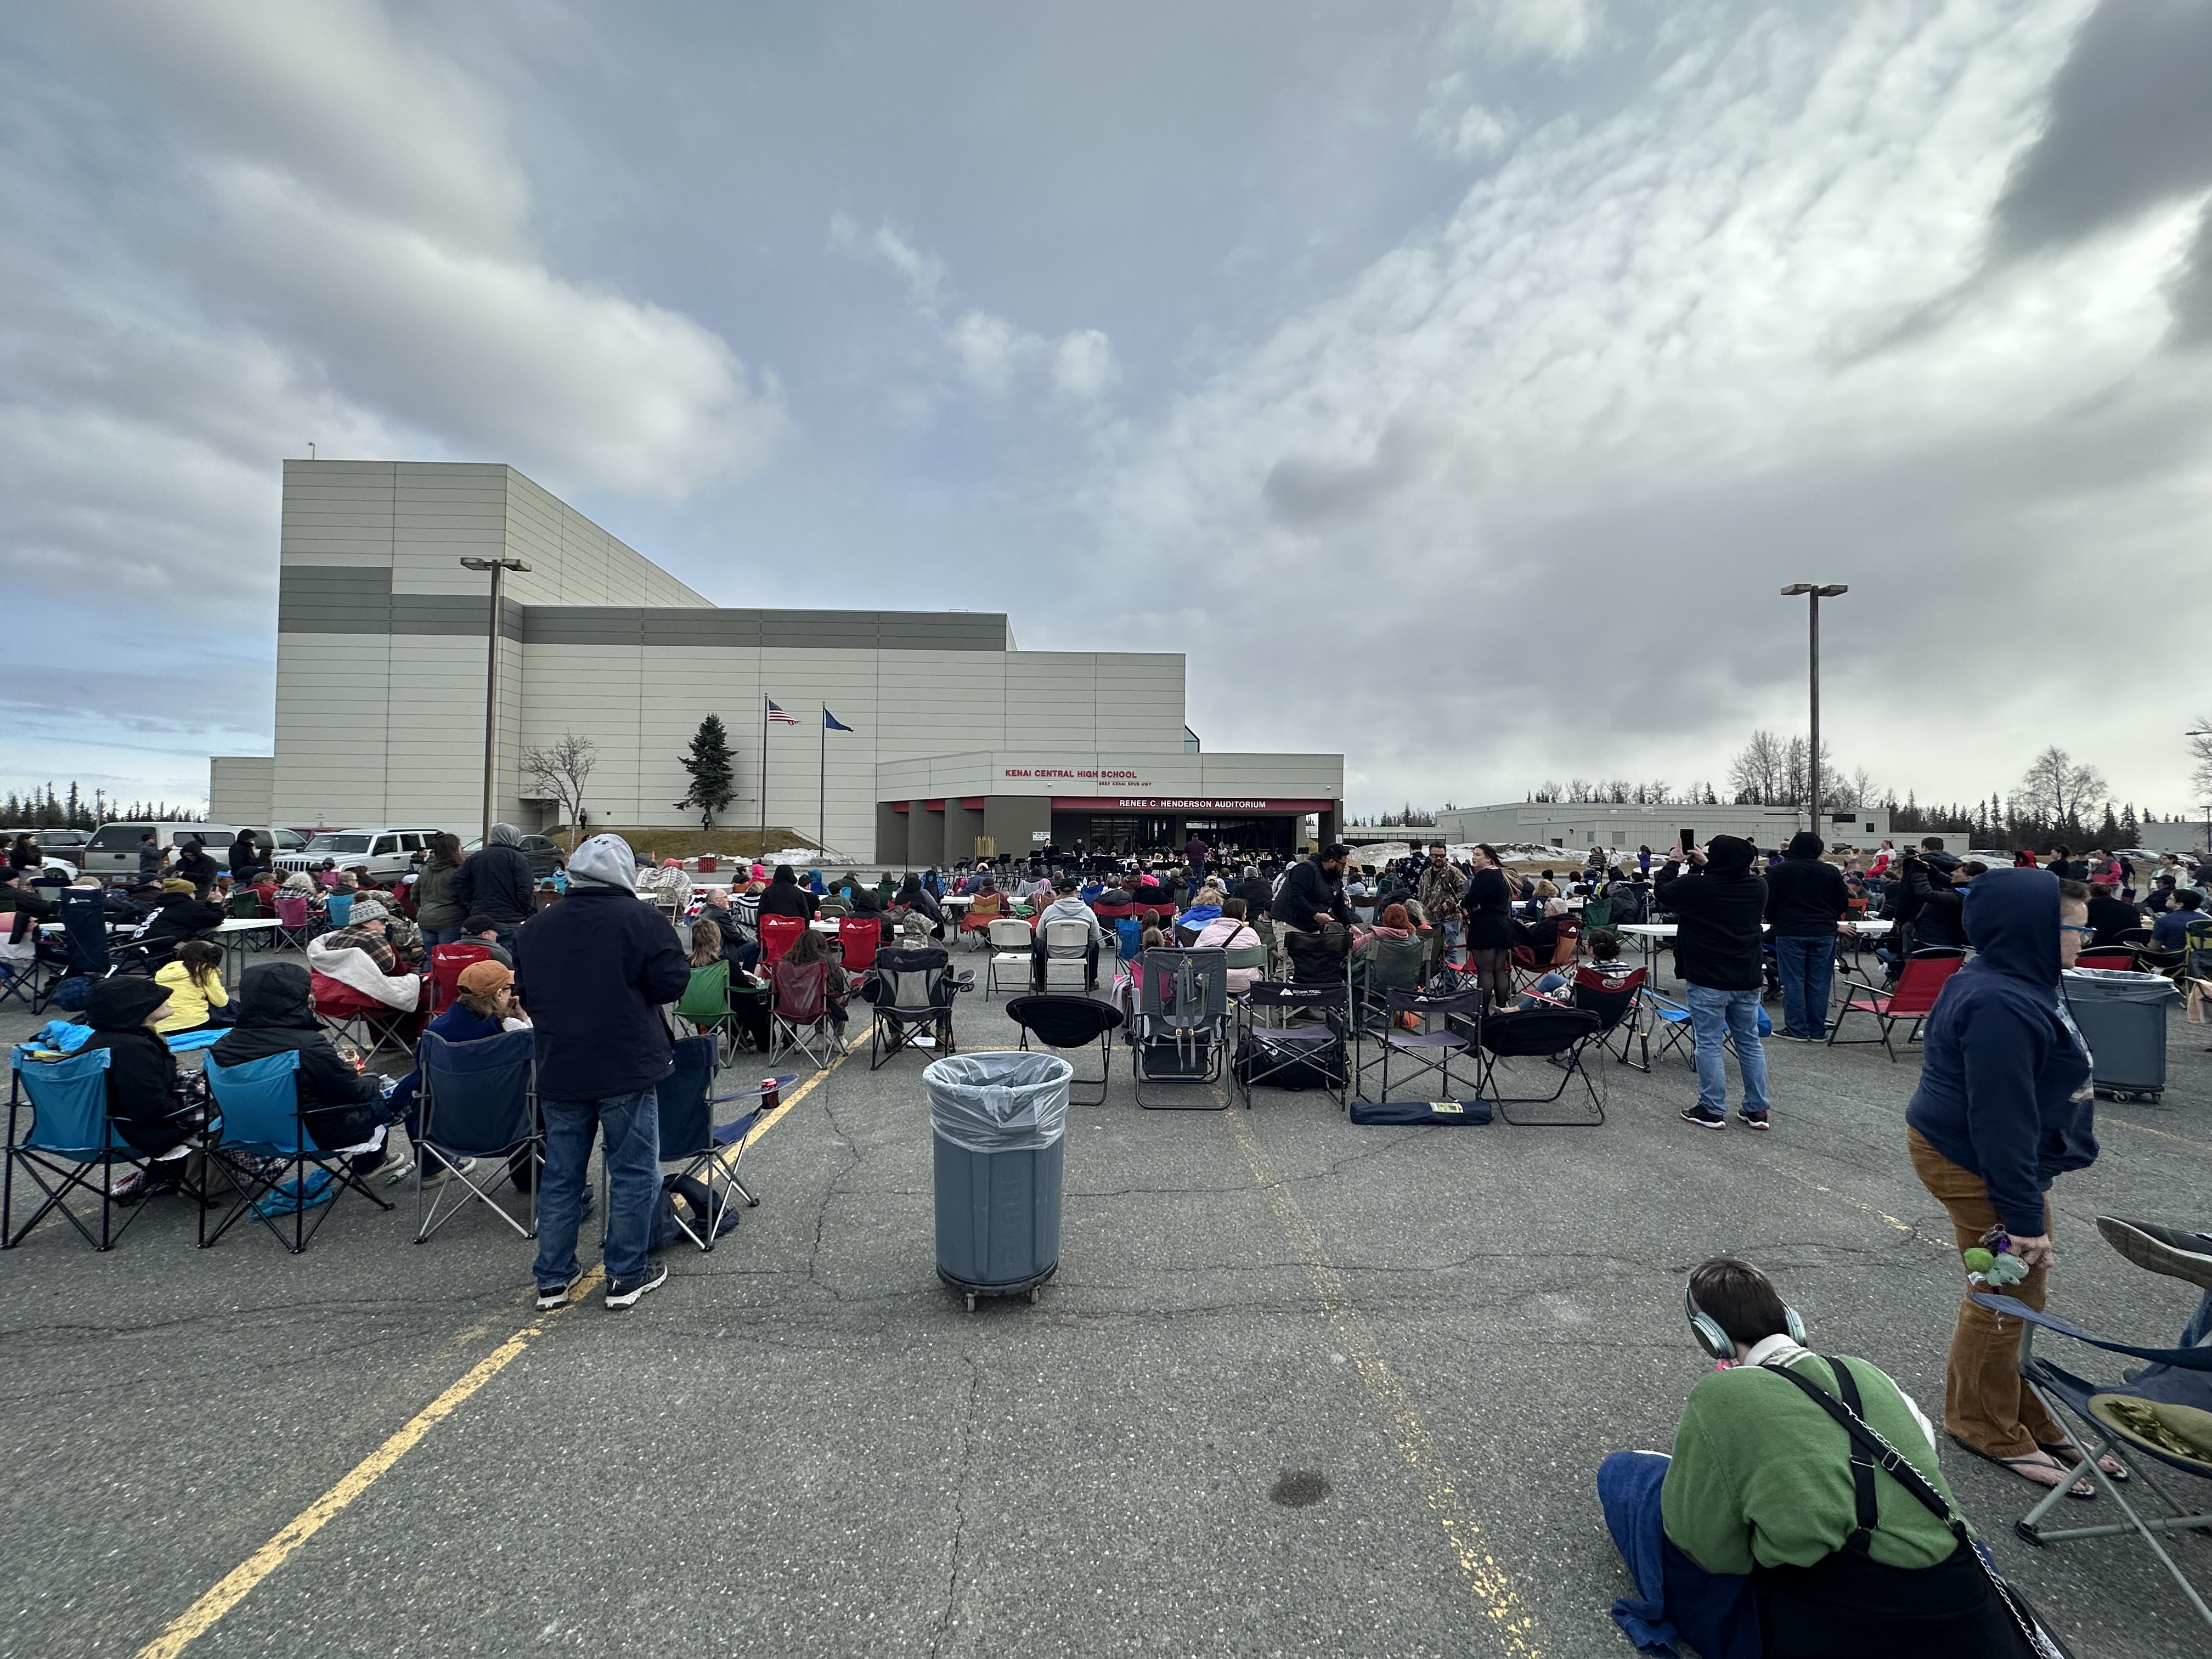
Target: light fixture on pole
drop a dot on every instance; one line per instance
(1814, 593)
(498, 568)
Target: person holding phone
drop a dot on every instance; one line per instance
(1720, 907)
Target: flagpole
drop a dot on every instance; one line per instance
(821, 789)
(764, 835)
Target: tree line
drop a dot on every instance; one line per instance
(45, 809)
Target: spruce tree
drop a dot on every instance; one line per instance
(712, 770)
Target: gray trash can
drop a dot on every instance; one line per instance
(2122, 1019)
(998, 1125)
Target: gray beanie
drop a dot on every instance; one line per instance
(604, 861)
(366, 909)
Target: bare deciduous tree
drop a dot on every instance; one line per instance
(2200, 752)
(561, 770)
(2058, 789)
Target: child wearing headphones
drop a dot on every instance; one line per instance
(1771, 1533)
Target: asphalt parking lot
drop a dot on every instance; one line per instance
(1298, 1387)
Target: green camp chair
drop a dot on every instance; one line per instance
(706, 1005)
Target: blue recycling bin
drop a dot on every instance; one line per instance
(998, 1129)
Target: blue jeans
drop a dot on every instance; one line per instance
(1676, 1600)
(1714, 1014)
(1809, 970)
(434, 937)
(631, 1126)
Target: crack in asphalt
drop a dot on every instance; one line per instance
(943, 1627)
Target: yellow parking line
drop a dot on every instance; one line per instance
(1510, 1622)
(236, 1585)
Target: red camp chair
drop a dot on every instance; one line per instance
(2108, 959)
(1563, 953)
(799, 1016)
(1914, 999)
(361, 1020)
(294, 923)
(777, 935)
(859, 936)
(447, 962)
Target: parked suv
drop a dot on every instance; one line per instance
(378, 855)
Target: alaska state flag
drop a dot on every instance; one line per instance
(831, 723)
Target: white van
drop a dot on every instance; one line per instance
(113, 848)
(377, 854)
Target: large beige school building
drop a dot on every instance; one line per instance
(382, 658)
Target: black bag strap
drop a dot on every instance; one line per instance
(1872, 1450)
(1862, 1494)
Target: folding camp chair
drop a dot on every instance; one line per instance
(1068, 944)
(1009, 967)
(70, 1147)
(447, 963)
(1384, 966)
(295, 922)
(478, 1100)
(1060, 1022)
(90, 952)
(708, 1154)
(1559, 1035)
(2160, 1412)
(777, 935)
(1444, 1024)
(260, 1137)
(1566, 941)
(800, 1016)
(338, 910)
(1913, 997)
(1181, 1026)
(859, 938)
(21, 968)
(2107, 958)
(705, 1006)
(1270, 1050)
(912, 993)
(1129, 934)
(358, 1018)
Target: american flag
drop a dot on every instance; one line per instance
(780, 717)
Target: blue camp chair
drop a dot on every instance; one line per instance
(478, 1100)
(2148, 1416)
(707, 1153)
(1131, 933)
(260, 1140)
(70, 1147)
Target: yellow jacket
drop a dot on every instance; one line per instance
(189, 1001)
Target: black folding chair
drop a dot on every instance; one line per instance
(1181, 1031)
(1268, 1047)
(1066, 1022)
(1559, 1035)
(911, 993)
(1445, 1025)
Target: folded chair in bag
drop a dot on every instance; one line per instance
(1272, 1052)
(260, 1144)
(1009, 967)
(1912, 998)
(1559, 1035)
(777, 935)
(911, 993)
(1424, 1033)
(707, 1153)
(1181, 1031)
(1068, 945)
(799, 1016)
(68, 1148)
(1065, 1022)
(2161, 1414)
(479, 1100)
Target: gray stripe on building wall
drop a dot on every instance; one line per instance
(343, 598)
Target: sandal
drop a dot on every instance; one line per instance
(2107, 1465)
(2030, 1466)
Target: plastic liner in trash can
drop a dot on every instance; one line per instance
(999, 1123)
(2122, 1017)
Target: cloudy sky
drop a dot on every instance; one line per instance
(1455, 384)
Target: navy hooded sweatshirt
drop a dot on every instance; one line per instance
(1999, 1086)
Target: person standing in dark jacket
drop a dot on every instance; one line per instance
(1487, 910)
(1805, 899)
(495, 881)
(1718, 906)
(438, 913)
(594, 971)
(194, 865)
(344, 1107)
(1939, 901)
(2005, 1106)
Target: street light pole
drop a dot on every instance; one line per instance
(498, 568)
(1815, 594)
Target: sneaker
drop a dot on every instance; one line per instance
(550, 1296)
(1704, 1119)
(1751, 1120)
(625, 1292)
(445, 1172)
